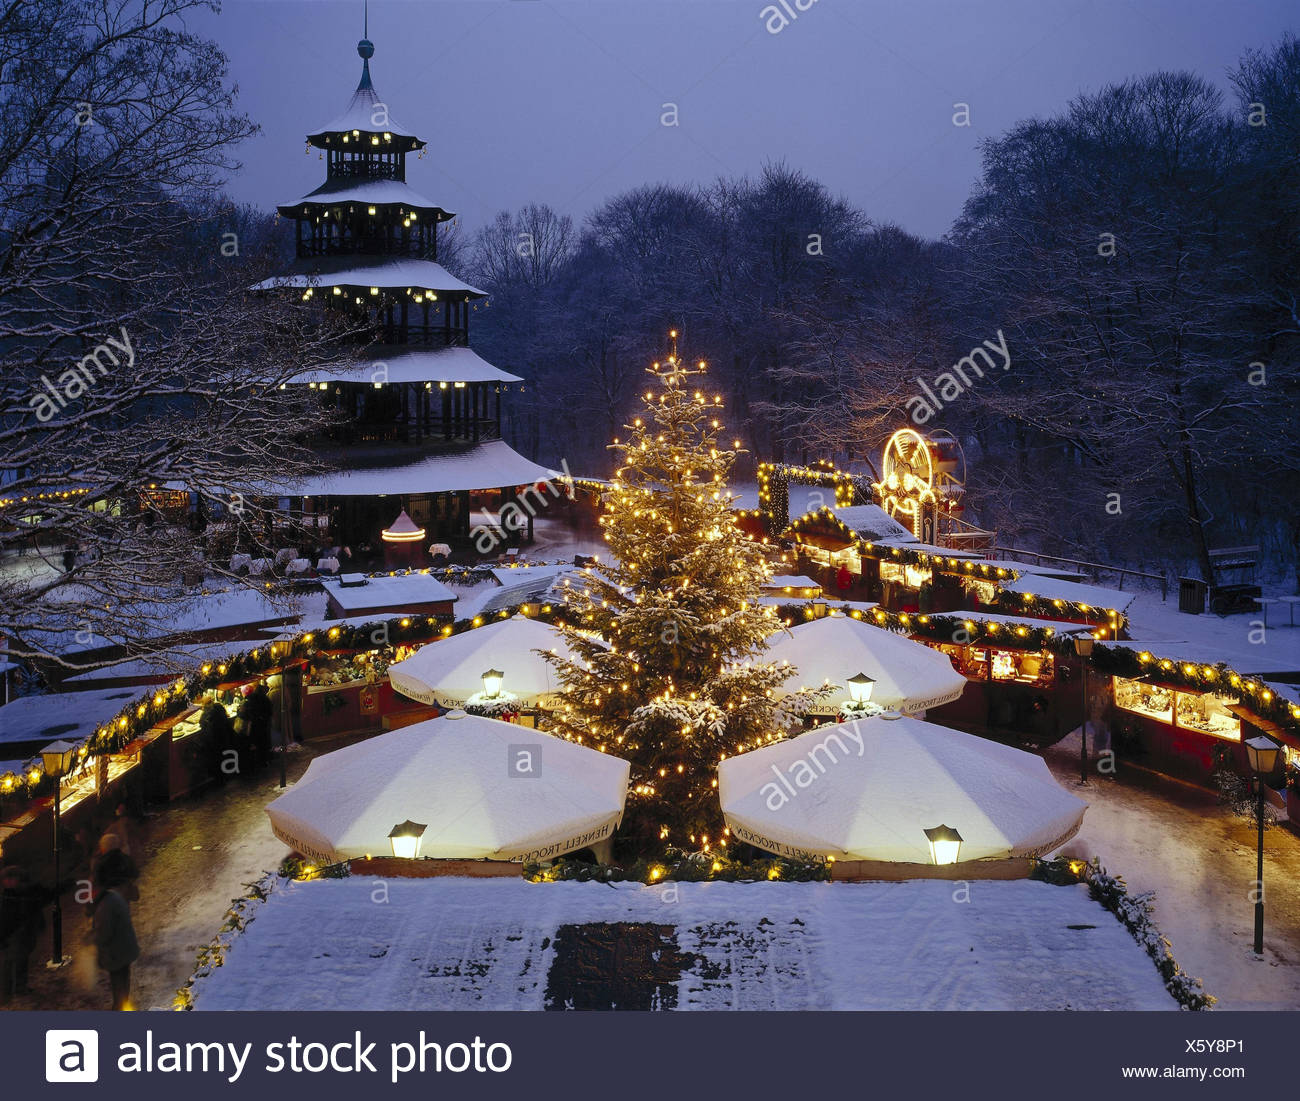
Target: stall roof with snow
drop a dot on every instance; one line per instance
(1248, 660)
(178, 661)
(31, 722)
(1051, 588)
(354, 595)
(227, 613)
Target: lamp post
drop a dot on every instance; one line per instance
(860, 686)
(492, 683)
(405, 839)
(945, 844)
(1262, 753)
(56, 760)
(1083, 648)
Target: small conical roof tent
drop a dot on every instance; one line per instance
(402, 530)
(449, 671)
(869, 789)
(484, 789)
(909, 676)
(366, 117)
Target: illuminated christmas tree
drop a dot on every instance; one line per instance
(671, 632)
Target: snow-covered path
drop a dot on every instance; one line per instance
(195, 857)
(1173, 838)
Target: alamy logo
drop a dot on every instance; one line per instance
(71, 1055)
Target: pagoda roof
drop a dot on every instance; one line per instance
(489, 465)
(368, 114)
(407, 365)
(356, 271)
(348, 189)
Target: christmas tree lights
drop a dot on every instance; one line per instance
(669, 634)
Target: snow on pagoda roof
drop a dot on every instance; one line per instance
(347, 272)
(426, 365)
(346, 189)
(489, 465)
(367, 113)
(1052, 588)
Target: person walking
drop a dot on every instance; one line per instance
(21, 920)
(111, 853)
(116, 947)
(119, 828)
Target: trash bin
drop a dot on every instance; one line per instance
(1191, 595)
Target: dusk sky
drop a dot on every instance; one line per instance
(560, 101)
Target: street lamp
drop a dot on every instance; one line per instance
(1263, 754)
(492, 683)
(56, 760)
(1083, 648)
(860, 686)
(405, 839)
(945, 844)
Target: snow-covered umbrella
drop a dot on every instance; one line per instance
(482, 788)
(909, 676)
(449, 672)
(870, 789)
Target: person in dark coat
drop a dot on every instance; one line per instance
(256, 710)
(219, 737)
(116, 947)
(21, 920)
(111, 854)
(293, 675)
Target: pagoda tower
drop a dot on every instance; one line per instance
(420, 412)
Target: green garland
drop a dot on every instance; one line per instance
(947, 627)
(142, 714)
(774, 489)
(681, 868)
(1219, 679)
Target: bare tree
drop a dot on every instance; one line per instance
(140, 382)
(524, 249)
(1103, 244)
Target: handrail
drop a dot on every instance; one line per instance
(1094, 566)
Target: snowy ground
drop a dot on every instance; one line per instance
(462, 944)
(1239, 640)
(1173, 838)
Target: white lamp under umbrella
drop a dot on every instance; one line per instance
(449, 672)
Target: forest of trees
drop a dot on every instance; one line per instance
(1139, 252)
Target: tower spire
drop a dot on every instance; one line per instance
(366, 49)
